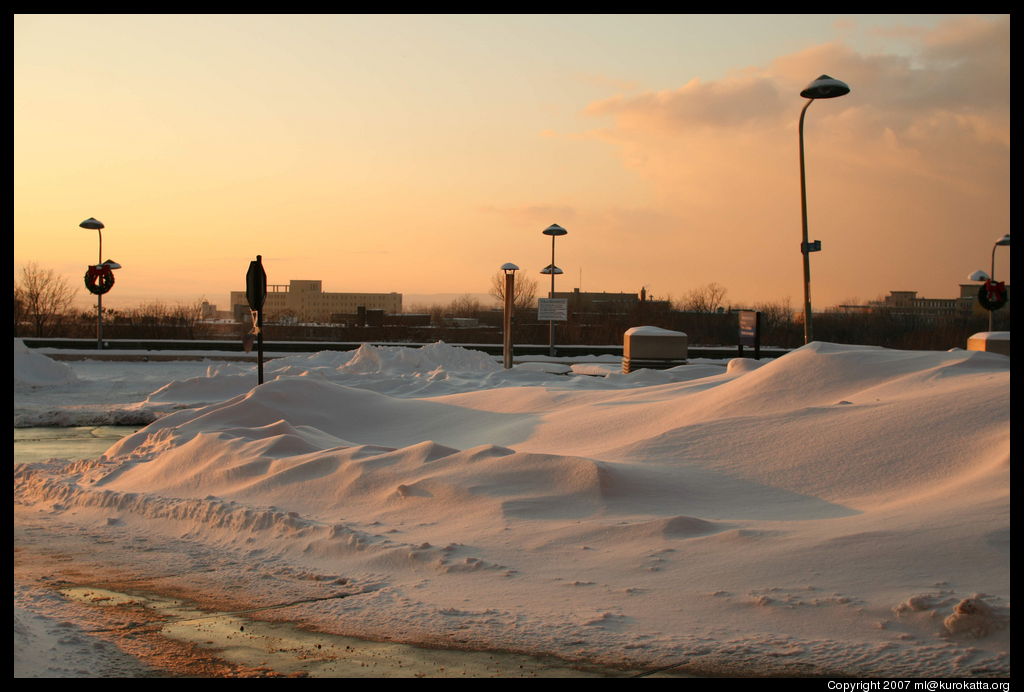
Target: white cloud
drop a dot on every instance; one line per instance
(920, 147)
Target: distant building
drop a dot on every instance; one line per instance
(593, 302)
(908, 303)
(305, 300)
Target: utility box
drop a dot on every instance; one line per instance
(993, 342)
(654, 348)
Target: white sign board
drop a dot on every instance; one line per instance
(552, 310)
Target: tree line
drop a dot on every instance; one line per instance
(43, 308)
(43, 303)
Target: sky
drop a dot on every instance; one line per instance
(419, 153)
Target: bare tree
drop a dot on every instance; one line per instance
(188, 317)
(42, 296)
(777, 314)
(437, 312)
(704, 299)
(464, 306)
(525, 293)
(778, 326)
(157, 320)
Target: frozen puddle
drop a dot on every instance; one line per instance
(287, 650)
(75, 442)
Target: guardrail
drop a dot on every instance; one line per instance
(235, 347)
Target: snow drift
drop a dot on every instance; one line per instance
(841, 509)
(36, 370)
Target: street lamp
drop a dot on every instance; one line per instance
(510, 287)
(1005, 240)
(824, 87)
(991, 276)
(554, 230)
(93, 224)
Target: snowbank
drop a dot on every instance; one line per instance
(842, 509)
(36, 370)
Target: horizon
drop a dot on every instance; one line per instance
(417, 153)
(487, 300)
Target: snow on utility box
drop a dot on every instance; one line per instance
(653, 347)
(994, 342)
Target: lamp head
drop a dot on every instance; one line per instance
(554, 229)
(111, 264)
(979, 276)
(92, 224)
(824, 87)
(509, 267)
(551, 269)
(1005, 240)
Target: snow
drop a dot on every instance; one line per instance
(840, 510)
(36, 370)
(58, 648)
(651, 331)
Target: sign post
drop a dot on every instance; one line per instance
(256, 294)
(554, 230)
(750, 331)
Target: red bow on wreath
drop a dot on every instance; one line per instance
(99, 279)
(992, 295)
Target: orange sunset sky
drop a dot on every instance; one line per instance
(418, 153)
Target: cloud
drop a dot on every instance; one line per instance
(918, 150)
(961, 67)
(728, 103)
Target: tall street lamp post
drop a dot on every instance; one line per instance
(510, 288)
(980, 275)
(1004, 241)
(824, 87)
(554, 230)
(93, 224)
